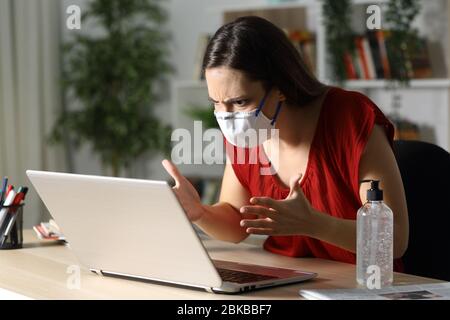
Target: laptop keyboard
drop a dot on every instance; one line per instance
(241, 276)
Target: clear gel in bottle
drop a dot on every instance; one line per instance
(374, 245)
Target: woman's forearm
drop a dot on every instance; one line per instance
(340, 232)
(336, 231)
(221, 221)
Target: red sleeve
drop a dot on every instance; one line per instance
(353, 125)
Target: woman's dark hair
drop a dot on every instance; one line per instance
(264, 53)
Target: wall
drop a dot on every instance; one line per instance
(189, 18)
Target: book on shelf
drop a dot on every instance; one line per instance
(375, 43)
(363, 58)
(404, 129)
(385, 65)
(371, 58)
(420, 61)
(305, 43)
(350, 67)
(368, 55)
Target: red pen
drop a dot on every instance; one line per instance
(21, 193)
(10, 187)
(18, 198)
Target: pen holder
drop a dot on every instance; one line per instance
(13, 219)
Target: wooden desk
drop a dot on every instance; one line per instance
(39, 271)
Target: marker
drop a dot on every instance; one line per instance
(18, 199)
(20, 196)
(10, 187)
(8, 201)
(3, 191)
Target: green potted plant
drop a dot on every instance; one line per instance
(403, 41)
(114, 77)
(337, 21)
(205, 114)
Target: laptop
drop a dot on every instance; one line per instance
(137, 229)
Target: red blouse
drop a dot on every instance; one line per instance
(331, 181)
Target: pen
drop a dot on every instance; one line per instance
(18, 199)
(10, 187)
(8, 201)
(3, 191)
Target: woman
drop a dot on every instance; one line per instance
(329, 140)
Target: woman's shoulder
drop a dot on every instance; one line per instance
(347, 102)
(352, 115)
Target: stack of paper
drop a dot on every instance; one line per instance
(430, 291)
(9, 295)
(48, 231)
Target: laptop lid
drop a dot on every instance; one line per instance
(126, 226)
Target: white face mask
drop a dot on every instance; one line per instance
(247, 129)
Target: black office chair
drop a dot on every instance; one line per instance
(425, 170)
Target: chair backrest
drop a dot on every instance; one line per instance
(425, 171)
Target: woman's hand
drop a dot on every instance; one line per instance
(291, 216)
(185, 192)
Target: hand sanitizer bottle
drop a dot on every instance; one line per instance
(374, 245)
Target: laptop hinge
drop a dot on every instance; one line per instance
(98, 272)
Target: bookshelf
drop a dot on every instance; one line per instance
(354, 84)
(426, 101)
(267, 5)
(415, 84)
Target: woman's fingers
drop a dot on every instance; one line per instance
(257, 223)
(261, 231)
(265, 201)
(173, 171)
(261, 211)
(186, 193)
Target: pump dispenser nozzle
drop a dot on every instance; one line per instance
(374, 193)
